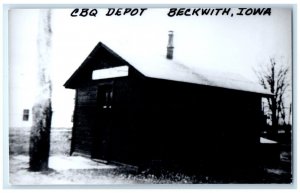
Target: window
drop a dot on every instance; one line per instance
(25, 114)
(105, 96)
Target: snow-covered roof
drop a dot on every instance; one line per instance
(154, 65)
(158, 66)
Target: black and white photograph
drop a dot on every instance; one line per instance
(143, 95)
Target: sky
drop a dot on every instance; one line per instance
(235, 44)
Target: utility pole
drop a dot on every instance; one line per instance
(42, 111)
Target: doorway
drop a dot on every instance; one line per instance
(103, 121)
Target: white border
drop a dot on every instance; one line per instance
(154, 3)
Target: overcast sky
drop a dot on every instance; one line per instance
(235, 44)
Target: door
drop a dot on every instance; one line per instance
(103, 123)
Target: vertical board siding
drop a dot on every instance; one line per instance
(84, 116)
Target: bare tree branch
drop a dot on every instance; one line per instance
(275, 78)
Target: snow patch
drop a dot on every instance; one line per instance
(264, 140)
(75, 162)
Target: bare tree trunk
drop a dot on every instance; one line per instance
(42, 111)
(40, 137)
(271, 80)
(274, 131)
(275, 78)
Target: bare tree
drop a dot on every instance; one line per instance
(42, 111)
(275, 78)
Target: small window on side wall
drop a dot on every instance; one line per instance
(25, 114)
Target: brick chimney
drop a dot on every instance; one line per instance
(170, 46)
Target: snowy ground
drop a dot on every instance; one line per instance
(65, 170)
(76, 170)
(70, 169)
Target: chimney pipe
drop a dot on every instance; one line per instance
(170, 46)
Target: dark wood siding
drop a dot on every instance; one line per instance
(84, 119)
(120, 134)
(171, 123)
(126, 108)
(194, 124)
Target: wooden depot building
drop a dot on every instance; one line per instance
(143, 111)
